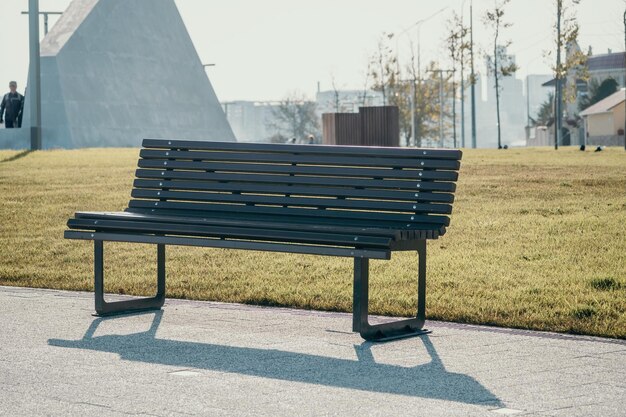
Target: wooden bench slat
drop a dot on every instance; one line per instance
(247, 221)
(237, 187)
(304, 180)
(294, 158)
(293, 211)
(305, 149)
(282, 169)
(303, 221)
(231, 232)
(230, 244)
(294, 201)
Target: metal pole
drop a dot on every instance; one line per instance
(34, 86)
(473, 78)
(45, 19)
(441, 108)
(462, 80)
(419, 84)
(462, 105)
(412, 110)
(453, 110)
(557, 94)
(527, 103)
(625, 79)
(419, 61)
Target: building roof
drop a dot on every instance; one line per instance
(605, 105)
(601, 62)
(610, 61)
(552, 82)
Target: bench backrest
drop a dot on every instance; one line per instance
(363, 186)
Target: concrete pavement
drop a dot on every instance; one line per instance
(205, 358)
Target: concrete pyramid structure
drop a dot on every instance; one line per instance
(114, 72)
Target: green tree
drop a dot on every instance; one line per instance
(500, 64)
(597, 92)
(566, 29)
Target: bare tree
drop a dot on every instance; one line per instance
(336, 103)
(431, 113)
(384, 68)
(402, 86)
(368, 72)
(295, 116)
(458, 48)
(500, 64)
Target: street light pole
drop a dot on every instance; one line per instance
(558, 113)
(34, 85)
(527, 102)
(45, 19)
(462, 80)
(473, 78)
(462, 106)
(412, 110)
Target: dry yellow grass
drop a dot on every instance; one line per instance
(537, 240)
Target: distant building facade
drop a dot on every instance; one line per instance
(599, 68)
(346, 101)
(513, 110)
(251, 121)
(255, 121)
(609, 65)
(536, 94)
(604, 121)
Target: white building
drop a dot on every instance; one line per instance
(346, 101)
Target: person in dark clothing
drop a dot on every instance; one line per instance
(12, 107)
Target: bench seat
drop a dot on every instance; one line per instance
(378, 242)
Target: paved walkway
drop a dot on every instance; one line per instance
(202, 358)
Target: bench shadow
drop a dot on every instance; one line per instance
(17, 156)
(430, 380)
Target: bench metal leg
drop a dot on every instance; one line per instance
(104, 308)
(393, 330)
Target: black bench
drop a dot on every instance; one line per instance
(357, 202)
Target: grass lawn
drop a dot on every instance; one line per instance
(537, 240)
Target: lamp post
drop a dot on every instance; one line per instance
(558, 112)
(34, 84)
(462, 83)
(473, 78)
(45, 19)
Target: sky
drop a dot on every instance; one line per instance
(266, 50)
